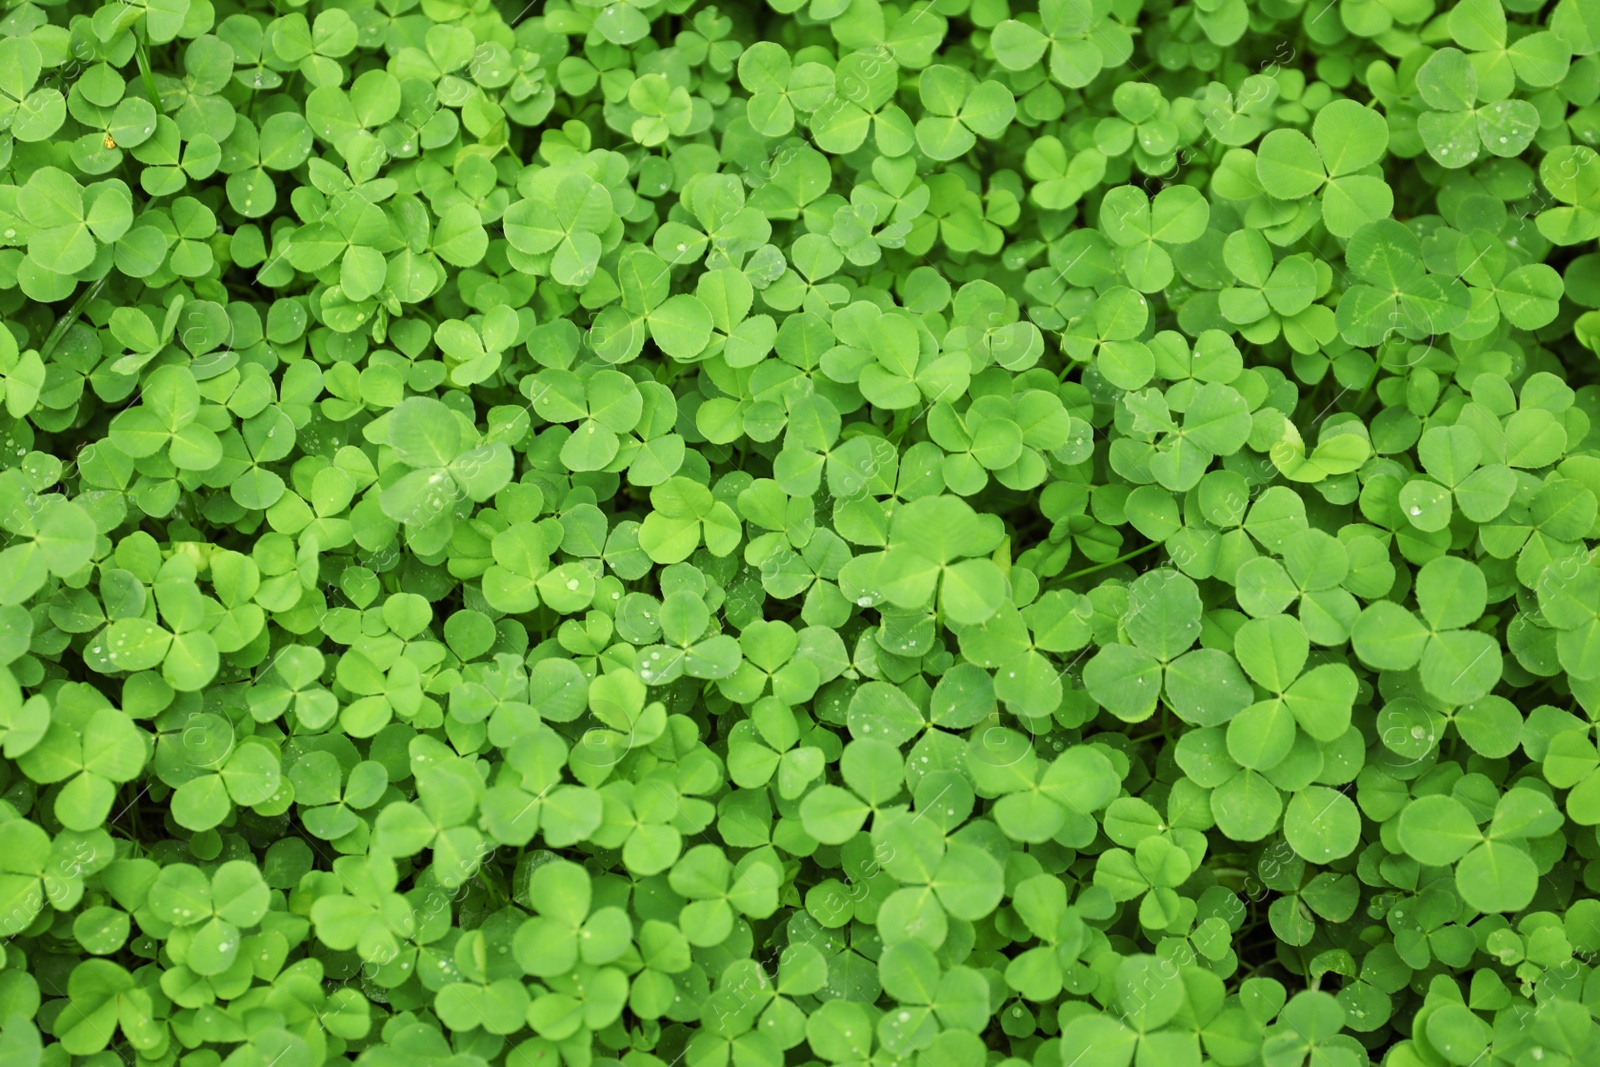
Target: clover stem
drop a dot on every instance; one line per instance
(138, 821)
(1113, 562)
(902, 422)
(1372, 379)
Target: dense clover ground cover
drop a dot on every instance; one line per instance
(803, 532)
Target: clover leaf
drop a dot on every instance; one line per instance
(1396, 294)
(1346, 140)
(1202, 685)
(816, 532)
(1456, 664)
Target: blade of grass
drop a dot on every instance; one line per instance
(142, 53)
(66, 321)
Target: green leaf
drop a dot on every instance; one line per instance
(1322, 825)
(1497, 876)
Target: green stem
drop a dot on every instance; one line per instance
(71, 317)
(902, 422)
(1113, 562)
(1372, 379)
(495, 892)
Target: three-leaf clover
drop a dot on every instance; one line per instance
(444, 467)
(1457, 664)
(1203, 686)
(211, 911)
(93, 749)
(1458, 126)
(1396, 294)
(1493, 868)
(1082, 40)
(683, 514)
(958, 110)
(1141, 226)
(1346, 140)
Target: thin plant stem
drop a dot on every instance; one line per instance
(1113, 562)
